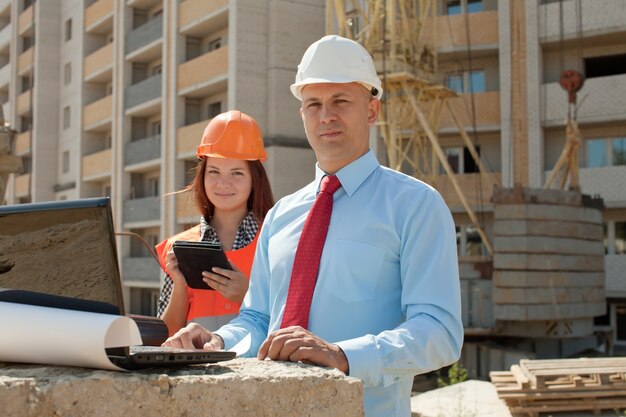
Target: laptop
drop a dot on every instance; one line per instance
(62, 254)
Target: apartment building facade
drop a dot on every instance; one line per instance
(110, 97)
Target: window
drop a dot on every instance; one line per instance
(460, 160)
(618, 148)
(603, 152)
(474, 6)
(190, 171)
(214, 44)
(156, 70)
(453, 155)
(156, 128)
(67, 73)
(455, 83)
(620, 238)
(620, 322)
(463, 6)
(26, 122)
(467, 82)
(192, 48)
(66, 117)
(66, 162)
(68, 30)
(453, 7)
(153, 187)
(27, 42)
(214, 109)
(107, 191)
(604, 66)
(193, 112)
(595, 153)
(25, 84)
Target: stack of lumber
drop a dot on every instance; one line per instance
(548, 386)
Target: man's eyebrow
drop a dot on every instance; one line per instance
(336, 95)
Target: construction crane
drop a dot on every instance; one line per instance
(564, 175)
(8, 163)
(400, 36)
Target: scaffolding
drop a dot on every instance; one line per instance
(400, 35)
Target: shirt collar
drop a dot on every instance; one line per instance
(352, 175)
(248, 224)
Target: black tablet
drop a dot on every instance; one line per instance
(196, 257)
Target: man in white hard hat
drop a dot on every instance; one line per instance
(386, 299)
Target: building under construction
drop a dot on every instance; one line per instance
(482, 100)
(512, 111)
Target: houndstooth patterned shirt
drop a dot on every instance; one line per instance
(245, 234)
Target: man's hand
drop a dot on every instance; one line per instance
(296, 344)
(233, 285)
(194, 336)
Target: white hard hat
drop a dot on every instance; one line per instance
(334, 59)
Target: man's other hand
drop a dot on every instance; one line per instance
(297, 344)
(194, 336)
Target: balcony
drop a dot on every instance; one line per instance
(142, 150)
(97, 115)
(186, 211)
(97, 166)
(99, 17)
(98, 66)
(604, 102)
(200, 17)
(608, 182)
(144, 43)
(476, 196)
(597, 18)
(188, 139)
(6, 108)
(143, 95)
(22, 185)
(22, 143)
(22, 104)
(25, 61)
(451, 33)
(204, 75)
(487, 108)
(614, 267)
(5, 77)
(141, 270)
(5, 38)
(25, 21)
(145, 211)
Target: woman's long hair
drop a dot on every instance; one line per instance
(260, 200)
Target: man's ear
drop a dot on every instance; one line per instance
(373, 108)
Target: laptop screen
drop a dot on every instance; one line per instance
(62, 248)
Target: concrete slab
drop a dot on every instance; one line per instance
(467, 399)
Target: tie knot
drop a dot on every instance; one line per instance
(330, 184)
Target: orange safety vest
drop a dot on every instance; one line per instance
(203, 303)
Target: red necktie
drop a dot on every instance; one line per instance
(307, 261)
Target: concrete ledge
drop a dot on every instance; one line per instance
(242, 387)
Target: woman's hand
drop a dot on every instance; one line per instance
(233, 285)
(171, 264)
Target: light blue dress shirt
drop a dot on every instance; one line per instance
(388, 288)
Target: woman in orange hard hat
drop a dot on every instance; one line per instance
(233, 193)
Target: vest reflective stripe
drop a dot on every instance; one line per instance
(203, 303)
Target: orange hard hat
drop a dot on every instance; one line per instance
(233, 135)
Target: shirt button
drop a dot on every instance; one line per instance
(227, 306)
